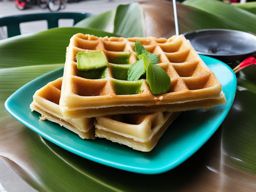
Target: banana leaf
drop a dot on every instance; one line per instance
(46, 47)
(129, 21)
(150, 21)
(219, 165)
(239, 135)
(25, 57)
(125, 20)
(13, 78)
(250, 6)
(103, 21)
(161, 23)
(237, 18)
(126, 17)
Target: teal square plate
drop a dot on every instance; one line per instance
(187, 134)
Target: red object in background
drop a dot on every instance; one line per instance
(245, 63)
(52, 5)
(21, 4)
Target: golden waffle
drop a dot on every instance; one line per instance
(175, 107)
(46, 102)
(138, 131)
(191, 80)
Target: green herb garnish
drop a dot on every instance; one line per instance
(158, 80)
(136, 71)
(140, 50)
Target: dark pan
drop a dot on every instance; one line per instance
(230, 46)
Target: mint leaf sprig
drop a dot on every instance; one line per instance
(157, 79)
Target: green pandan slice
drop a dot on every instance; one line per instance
(119, 71)
(93, 74)
(122, 87)
(119, 57)
(91, 60)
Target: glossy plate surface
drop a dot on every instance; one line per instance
(188, 133)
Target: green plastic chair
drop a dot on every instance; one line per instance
(13, 22)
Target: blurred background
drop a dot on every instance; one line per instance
(20, 7)
(10, 7)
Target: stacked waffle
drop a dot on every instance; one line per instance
(106, 105)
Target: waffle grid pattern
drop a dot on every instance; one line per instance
(191, 80)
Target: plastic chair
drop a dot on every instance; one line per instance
(13, 22)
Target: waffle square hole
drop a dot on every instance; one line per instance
(133, 119)
(116, 39)
(171, 72)
(87, 87)
(87, 37)
(119, 71)
(186, 69)
(86, 42)
(177, 85)
(163, 58)
(211, 81)
(114, 43)
(178, 57)
(143, 41)
(164, 66)
(200, 69)
(199, 82)
(172, 46)
(115, 57)
(57, 84)
(156, 119)
(122, 87)
(161, 40)
(149, 48)
(99, 73)
(51, 93)
(93, 74)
